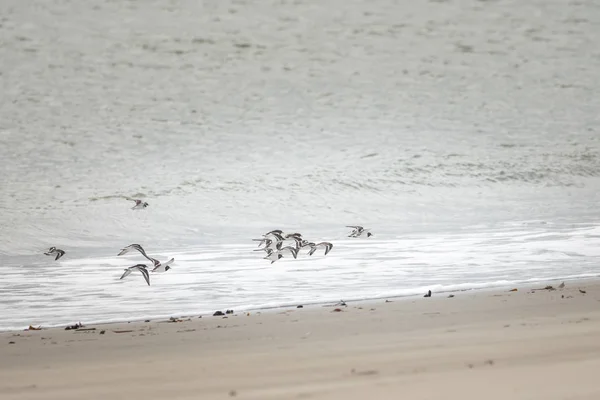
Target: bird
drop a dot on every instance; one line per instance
(561, 286)
(314, 247)
(274, 231)
(274, 235)
(162, 267)
(292, 235)
(158, 266)
(133, 246)
(359, 231)
(267, 242)
(268, 247)
(278, 234)
(428, 294)
(139, 204)
(273, 256)
(52, 250)
(138, 267)
(293, 251)
(302, 243)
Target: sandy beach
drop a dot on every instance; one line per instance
(499, 344)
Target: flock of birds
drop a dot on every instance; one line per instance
(275, 243)
(142, 268)
(278, 244)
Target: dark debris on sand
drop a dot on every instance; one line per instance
(76, 326)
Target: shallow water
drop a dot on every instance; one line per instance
(462, 132)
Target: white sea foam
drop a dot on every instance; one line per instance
(208, 278)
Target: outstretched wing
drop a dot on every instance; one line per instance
(356, 227)
(146, 275)
(126, 273)
(133, 246)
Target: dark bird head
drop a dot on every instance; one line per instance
(167, 268)
(279, 256)
(369, 234)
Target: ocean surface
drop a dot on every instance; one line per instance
(464, 134)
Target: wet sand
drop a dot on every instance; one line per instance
(497, 344)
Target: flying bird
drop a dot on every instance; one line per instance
(53, 250)
(158, 266)
(359, 231)
(138, 267)
(139, 204)
(326, 245)
(273, 256)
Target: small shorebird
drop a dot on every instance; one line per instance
(314, 248)
(268, 248)
(158, 266)
(274, 236)
(267, 242)
(138, 267)
(302, 243)
(139, 204)
(273, 256)
(278, 233)
(162, 267)
(52, 250)
(359, 231)
(292, 250)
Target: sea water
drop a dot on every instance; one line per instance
(464, 134)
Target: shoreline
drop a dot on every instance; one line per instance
(268, 309)
(136, 320)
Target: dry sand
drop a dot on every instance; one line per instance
(495, 345)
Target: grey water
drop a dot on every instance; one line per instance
(463, 133)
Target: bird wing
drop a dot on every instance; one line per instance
(126, 273)
(141, 250)
(276, 236)
(171, 261)
(146, 275)
(59, 254)
(133, 246)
